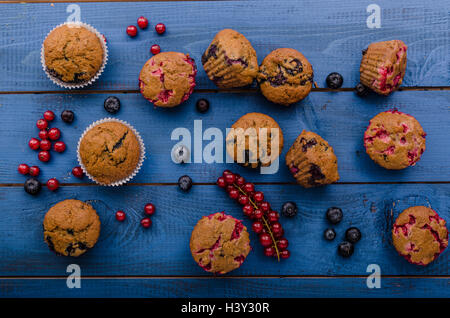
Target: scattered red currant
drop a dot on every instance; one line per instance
(120, 216)
(221, 182)
(34, 143)
(45, 144)
(160, 28)
(44, 155)
(52, 184)
(142, 22)
(132, 31)
(54, 133)
(42, 124)
(146, 222)
(49, 115)
(23, 168)
(77, 172)
(59, 146)
(34, 171)
(155, 49)
(43, 134)
(149, 209)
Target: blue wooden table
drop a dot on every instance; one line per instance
(129, 261)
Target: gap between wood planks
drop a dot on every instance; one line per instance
(228, 277)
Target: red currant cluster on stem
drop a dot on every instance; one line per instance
(265, 220)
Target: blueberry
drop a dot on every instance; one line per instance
(334, 215)
(112, 104)
(32, 186)
(345, 249)
(329, 234)
(334, 80)
(185, 183)
(67, 116)
(181, 154)
(353, 235)
(361, 90)
(202, 105)
(289, 209)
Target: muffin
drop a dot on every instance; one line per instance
(383, 66)
(219, 243)
(254, 140)
(419, 235)
(71, 227)
(312, 161)
(168, 79)
(230, 60)
(394, 140)
(110, 152)
(74, 54)
(285, 76)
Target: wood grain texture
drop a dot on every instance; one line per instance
(229, 287)
(341, 118)
(127, 249)
(331, 36)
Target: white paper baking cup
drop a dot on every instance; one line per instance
(63, 84)
(142, 152)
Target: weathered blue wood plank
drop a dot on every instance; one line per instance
(391, 287)
(126, 249)
(330, 35)
(341, 118)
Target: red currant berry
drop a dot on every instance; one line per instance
(49, 115)
(264, 206)
(43, 134)
(240, 181)
(228, 188)
(146, 222)
(52, 184)
(249, 187)
(279, 234)
(225, 172)
(160, 28)
(44, 155)
(269, 251)
(257, 214)
(155, 49)
(221, 182)
(276, 227)
(54, 133)
(149, 209)
(257, 227)
(230, 178)
(45, 144)
(258, 196)
(59, 146)
(132, 31)
(120, 216)
(142, 22)
(34, 143)
(265, 240)
(234, 194)
(273, 216)
(42, 124)
(243, 199)
(285, 254)
(23, 168)
(77, 172)
(34, 171)
(282, 244)
(248, 210)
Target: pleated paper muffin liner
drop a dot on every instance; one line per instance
(63, 84)
(138, 166)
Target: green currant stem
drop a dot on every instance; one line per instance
(264, 220)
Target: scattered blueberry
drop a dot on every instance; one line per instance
(181, 154)
(334, 215)
(334, 80)
(329, 234)
(289, 209)
(67, 116)
(345, 249)
(353, 235)
(185, 183)
(361, 90)
(202, 105)
(32, 186)
(112, 104)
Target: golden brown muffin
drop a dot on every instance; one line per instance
(71, 227)
(230, 60)
(394, 140)
(219, 243)
(419, 235)
(110, 152)
(168, 79)
(255, 140)
(285, 76)
(312, 161)
(73, 53)
(383, 66)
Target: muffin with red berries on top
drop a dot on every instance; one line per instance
(219, 243)
(394, 140)
(383, 66)
(168, 79)
(420, 235)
